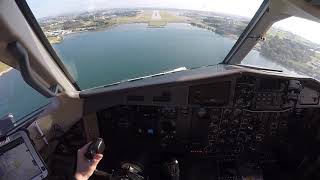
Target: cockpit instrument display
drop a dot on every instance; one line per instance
(19, 160)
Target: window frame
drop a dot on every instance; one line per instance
(32, 21)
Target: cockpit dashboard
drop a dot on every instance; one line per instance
(223, 122)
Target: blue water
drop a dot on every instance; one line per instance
(17, 97)
(123, 52)
(134, 50)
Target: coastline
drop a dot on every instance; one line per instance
(5, 71)
(120, 21)
(61, 37)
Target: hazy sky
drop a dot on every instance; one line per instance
(42, 8)
(305, 28)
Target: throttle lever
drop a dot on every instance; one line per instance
(96, 147)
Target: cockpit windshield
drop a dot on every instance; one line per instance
(103, 42)
(291, 45)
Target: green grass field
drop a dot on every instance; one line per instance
(318, 55)
(168, 17)
(145, 17)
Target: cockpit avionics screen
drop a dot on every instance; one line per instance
(16, 161)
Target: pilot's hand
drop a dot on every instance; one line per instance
(85, 167)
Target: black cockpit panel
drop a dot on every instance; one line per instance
(247, 125)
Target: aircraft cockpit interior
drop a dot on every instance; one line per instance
(70, 78)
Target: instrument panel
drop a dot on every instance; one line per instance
(249, 120)
(214, 94)
(218, 121)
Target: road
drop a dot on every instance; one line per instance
(156, 15)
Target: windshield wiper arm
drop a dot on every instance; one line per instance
(157, 74)
(258, 68)
(143, 77)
